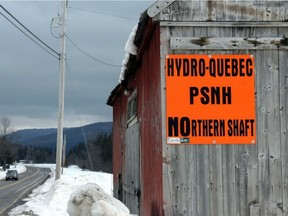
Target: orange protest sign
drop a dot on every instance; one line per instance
(210, 99)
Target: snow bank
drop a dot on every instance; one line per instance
(77, 192)
(52, 197)
(92, 200)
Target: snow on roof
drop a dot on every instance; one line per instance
(130, 48)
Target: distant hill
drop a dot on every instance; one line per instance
(48, 137)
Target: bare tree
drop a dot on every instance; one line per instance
(5, 144)
(6, 127)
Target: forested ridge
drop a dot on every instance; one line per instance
(94, 154)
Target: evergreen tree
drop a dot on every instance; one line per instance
(100, 151)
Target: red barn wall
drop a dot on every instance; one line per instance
(151, 130)
(147, 82)
(119, 122)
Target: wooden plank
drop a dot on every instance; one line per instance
(166, 154)
(229, 10)
(274, 135)
(203, 193)
(275, 13)
(212, 10)
(131, 180)
(227, 43)
(283, 11)
(241, 178)
(230, 168)
(271, 10)
(171, 11)
(199, 161)
(190, 157)
(270, 144)
(195, 9)
(248, 10)
(262, 135)
(243, 154)
(203, 13)
(158, 6)
(228, 178)
(232, 11)
(252, 177)
(227, 24)
(283, 88)
(179, 168)
(179, 181)
(215, 179)
(191, 177)
(221, 10)
(283, 107)
(248, 156)
(268, 121)
(261, 11)
(168, 174)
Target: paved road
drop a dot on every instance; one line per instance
(11, 192)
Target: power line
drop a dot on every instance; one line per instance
(106, 14)
(28, 30)
(95, 59)
(29, 36)
(23, 26)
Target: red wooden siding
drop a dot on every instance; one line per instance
(119, 122)
(151, 131)
(147, 82)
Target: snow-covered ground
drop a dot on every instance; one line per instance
(76, 193)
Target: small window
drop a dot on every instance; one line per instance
(132, 107)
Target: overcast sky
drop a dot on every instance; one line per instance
(30, 76)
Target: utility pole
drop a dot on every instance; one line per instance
(61, 91)
(64, 154)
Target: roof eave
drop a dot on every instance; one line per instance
(142, 37)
